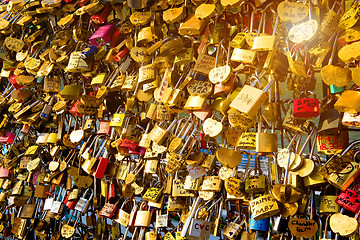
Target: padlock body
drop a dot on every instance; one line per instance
(306, 107)
(102, 35)
(266, 142)
(259, 225)
(100, 170)
(249, 100)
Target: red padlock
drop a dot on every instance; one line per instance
(74, 109)
(129, 145)
(100, 18)
(8, 138)
(101, 167)
(82, 3)
(12, 80)
(111, 192)
(116, 39)
(108, 209)
(349, 200)
(121, 54)
(138, 151)
(70, 204)
(306, 107)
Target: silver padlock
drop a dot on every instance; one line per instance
(83, 203)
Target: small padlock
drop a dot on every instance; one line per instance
(328, 202)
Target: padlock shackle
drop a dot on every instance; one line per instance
(333, 48)
(188, 220)
(220, 199)
(172, 124)
(187, 130)
(311, 134)
(351, 145)
(102, 146)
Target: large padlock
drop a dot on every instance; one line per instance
(341, 164)
(200, 228)
(143, 216)
(250, 99)
(264, 206)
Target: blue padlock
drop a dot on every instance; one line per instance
(259, 225)
(86, 54)
(334, 89)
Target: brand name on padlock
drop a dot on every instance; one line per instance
(199, 226)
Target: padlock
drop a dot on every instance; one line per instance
(234, 228)
(329, 122)
(200, 228)
(328, 202)
(123, 217)
(250, 99)
(192, 26)
(84, 201)
(349, 200)
(101, 18)
(350, 120)
(143, 216)
(306, 107)
(265, 142)
(220, 74)
(255, 183)
(159, 134)
(57, 206)
(162, 220)
(69, 203)
(108, 210)
(102, 35)
(7, 138)
(340, 164)
(259, 225)
(264, 206)
(211, 183)
(265, 42)
(335, 75)
(204, 62)
(178, 187)
(309, 28)
(29, 209)
(67, 230)
(343, 225)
